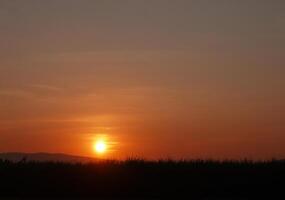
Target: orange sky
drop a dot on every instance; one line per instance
(178, 79)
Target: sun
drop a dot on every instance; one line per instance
(100, 146)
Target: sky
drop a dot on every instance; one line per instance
(155, 78)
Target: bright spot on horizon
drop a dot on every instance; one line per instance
(100, 146)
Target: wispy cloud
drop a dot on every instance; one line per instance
(45, 87)
(16, 93)
(32, 92)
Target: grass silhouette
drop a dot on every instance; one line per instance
(134, 178)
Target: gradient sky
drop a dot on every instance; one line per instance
(158, 78)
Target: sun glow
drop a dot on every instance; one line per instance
(100, 146)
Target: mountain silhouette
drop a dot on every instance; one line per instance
(44, 157)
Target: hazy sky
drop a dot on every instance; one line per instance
(159, 78)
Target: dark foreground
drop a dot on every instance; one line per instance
(141, 179)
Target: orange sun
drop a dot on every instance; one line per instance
(100, 146)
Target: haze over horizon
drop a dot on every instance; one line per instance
(164, 78)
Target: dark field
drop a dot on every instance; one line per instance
(143, 179)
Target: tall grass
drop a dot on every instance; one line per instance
(136, 177)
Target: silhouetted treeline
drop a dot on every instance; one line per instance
(138, 178)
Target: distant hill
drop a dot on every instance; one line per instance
(44, 157)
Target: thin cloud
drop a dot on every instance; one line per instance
(16, 93)
(45, 87)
